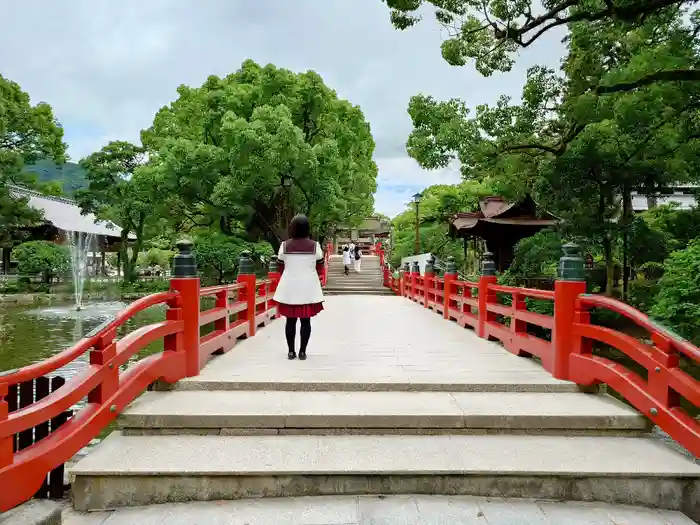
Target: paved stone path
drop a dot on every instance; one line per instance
(373, 510)
(388, 342)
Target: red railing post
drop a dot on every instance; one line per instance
(326, 263)
(380, 252)
(6, 450)
(274, 275)
(450, 278)
(428, 283)
(488, 277)
(105, 350)
(659, 386)
(570, 284)
(185, 281)
(402, 281)
(246, 275)
(518, 328)
(386, 275)
(415, 273)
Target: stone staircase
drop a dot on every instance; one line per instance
(417, 409)
(202, 445)
(370, 280)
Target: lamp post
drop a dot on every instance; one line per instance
(416, 199)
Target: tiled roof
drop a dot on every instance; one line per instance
(65, 214)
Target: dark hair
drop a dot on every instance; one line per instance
(299, 227)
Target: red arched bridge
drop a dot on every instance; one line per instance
(392, 398)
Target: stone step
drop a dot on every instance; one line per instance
(358, 291)
(351, 279)
(354, 278)
(346, 285)
(141, 470)
(354, 275)
(310, 376)
(356, 284)
(385, 510)
(309, 412)
(338, 270)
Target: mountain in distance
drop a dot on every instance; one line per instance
(70, 174)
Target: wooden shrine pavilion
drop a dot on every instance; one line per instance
(61, 217)
(501, 225)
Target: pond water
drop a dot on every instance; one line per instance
(29, 334)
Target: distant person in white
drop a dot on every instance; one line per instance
(346, 259)
(352, 254)
(358, 259)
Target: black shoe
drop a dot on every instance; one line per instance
(291, 355)
(302, 355)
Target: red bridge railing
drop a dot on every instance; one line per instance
(238, 311)
(564, 340)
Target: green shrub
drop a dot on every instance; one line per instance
(642, 294)
(144, 286)
(42, 257)
(678, 301)
(652, 270)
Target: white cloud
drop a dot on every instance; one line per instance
(106, 67)
(400, 171)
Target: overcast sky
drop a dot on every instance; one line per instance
(106, 67)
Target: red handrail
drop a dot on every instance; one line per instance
(61, 359)
(107, 389)
(657, 396)
(568, 355)
(643, 321)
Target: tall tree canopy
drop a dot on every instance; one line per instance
(27, 133)
(491, 33)
(246, 150)
(120, 189)
(580, 153)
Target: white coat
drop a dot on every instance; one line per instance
(347, 261)
(299, 283)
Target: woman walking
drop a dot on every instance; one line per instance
(347, 259)
(299, 294)
(358, 259)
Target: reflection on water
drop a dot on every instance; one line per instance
(28, 334)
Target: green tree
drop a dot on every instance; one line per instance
(492, 33)
(120, 189)
(246, 151)
(27, 133)
(678, 301)
(580, 154)
(42, 257)
(218, 255)
(438, 205)
(155, 257)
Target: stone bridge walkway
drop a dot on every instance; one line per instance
(393, 399)
(376, 343)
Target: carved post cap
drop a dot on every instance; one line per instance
(273, 268)
(571, 264)
(430, 265)
(245, 264)
(451, 266)
(407, 267)
(416, 267)
(488, 265)
(184, 264)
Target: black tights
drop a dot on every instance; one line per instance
(290, 330)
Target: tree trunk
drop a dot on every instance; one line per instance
(609, 265)
(626, 221)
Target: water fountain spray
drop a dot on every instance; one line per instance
(80, 244)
